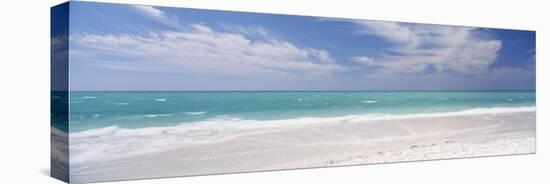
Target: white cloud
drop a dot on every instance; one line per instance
(199, 49)
(364, 60)
(323, 55)
(253, 31)
(159, 16)
(419, 47)
(151, 11)
(58, 46)
(57, 42)
(196, 48)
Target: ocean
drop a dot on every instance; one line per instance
(111, 124)
(91, 110)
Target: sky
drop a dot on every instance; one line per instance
(137, 47)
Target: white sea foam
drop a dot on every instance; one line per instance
(59, 154)
(160, 99)
(89, 97)
(102, 144)
(369, 101)
(196, 113)
(156, 115)
(121, 103)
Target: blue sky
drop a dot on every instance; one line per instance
(129, 47)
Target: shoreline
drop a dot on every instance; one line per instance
(332, 144)
(312, 119)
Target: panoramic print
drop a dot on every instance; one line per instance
(164, 92)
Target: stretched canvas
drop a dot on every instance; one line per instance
(147, 92)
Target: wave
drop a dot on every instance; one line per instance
(113, 142)
(161, 99)
(156, 115)
(369, 101)
(89, 97)
(196, 113)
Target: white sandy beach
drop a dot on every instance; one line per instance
(331, 144)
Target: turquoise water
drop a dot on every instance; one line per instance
(91, 110)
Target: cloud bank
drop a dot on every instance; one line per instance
(421, 48)
(197, 48)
